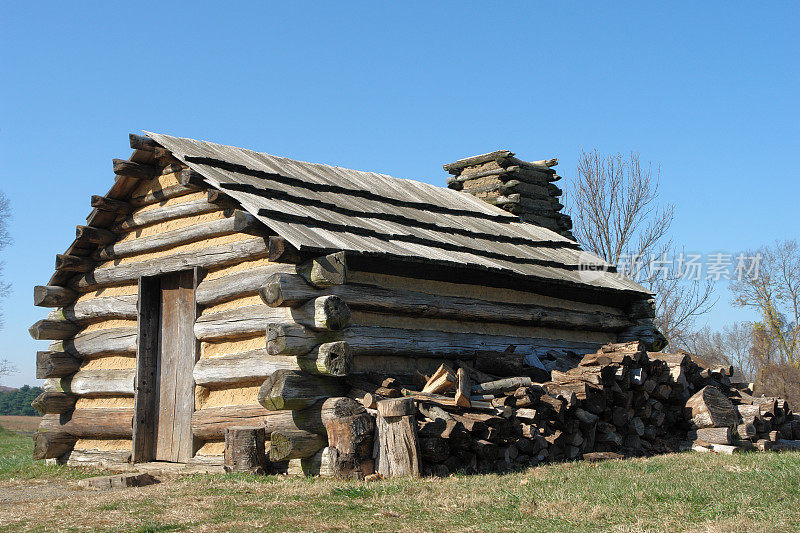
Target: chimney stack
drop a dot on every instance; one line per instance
(524, 188)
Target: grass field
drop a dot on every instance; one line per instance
(679, 492)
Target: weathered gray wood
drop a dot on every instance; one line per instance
(318, 464)
(285, 289)
(140, 142)
(326, 271)
(145, 400)
(111, 205)
(118, 341)
(323, 313)
(100, 308)
(282, 251)
(110, 459)
(332, 359)
(50, 440)
(291, 390)
(50, 402)
(100, 382)
(294, 444)
(178, 354)
(131, 169)
(53, 296)
(397, 452)
(95, 423)
(350, 440)
(154, 197)
(709, 407)
(712, 435)
(244, 283)
(294, 339)
(73, 263)
(236, 322)
(240, 221)
(190, 177)
(94, 235)
(55, 364)
(245, 450)
(168, 212)
(210, 423)
(501, 386)
(52, 330)
(216, 256)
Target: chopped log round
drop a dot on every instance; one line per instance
(285, 289)
(111, 205)
(55, 364)
(94, 235)
(50, 440)
(329, 358)
(294, 444)
(131, 169)
(52, 402)
(351, 440)
(140, 142)
(52, 330)
(712, 435)
(396, 407)
(325, 271)
(292, 390)
(73, 263)
(53, 296)
(245, 450)
(397, 449)
(282, 251)
(711, 408)
(323, 313)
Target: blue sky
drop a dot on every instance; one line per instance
(709, 90)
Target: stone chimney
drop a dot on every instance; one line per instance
(524, 188)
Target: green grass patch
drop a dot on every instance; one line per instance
(16, 461)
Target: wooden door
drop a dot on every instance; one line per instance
(167, 352)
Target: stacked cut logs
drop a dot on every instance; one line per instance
(620, 401)
(524, 188)
(727, 418)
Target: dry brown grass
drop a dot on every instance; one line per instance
(680, 492)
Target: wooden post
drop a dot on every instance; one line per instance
(144, 423)
(351, 443)
(245, 450)
(397, 449)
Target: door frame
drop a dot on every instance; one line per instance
(147, 378)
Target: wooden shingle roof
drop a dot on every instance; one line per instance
(321, 208)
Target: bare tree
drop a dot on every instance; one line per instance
(617, 214)
(6, 367)
(5, 240)
(775, 292)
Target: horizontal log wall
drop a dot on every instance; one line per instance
(167, 227)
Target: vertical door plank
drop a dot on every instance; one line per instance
(186, 350)
(145, 401)
(170, 318)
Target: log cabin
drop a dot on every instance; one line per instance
(214, 287)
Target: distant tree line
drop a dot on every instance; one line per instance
(18, 402)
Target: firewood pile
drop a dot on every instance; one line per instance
(620, 401)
